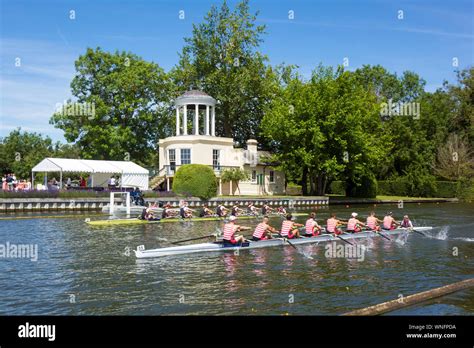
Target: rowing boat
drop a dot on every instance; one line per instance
(141, 253)
(136, 221)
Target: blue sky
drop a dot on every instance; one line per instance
(47, 42)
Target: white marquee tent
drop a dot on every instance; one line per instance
(132, 175)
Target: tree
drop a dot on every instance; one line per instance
(122, 107)
(234, 175)
(196, 180)
(462, 94)
(21, 151)
(320, 126)
(455, 159)
(221, 58)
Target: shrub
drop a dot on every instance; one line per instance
(447, 189)
(366, 189)
(337, 187)
(195, 180)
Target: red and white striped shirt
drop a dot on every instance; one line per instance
(371, 222)
(310, 224)
(229, 231)
(331, 225)
(260, 230)
(286, 227)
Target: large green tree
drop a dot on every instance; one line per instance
(128, 103)
(222, 58)
(328, 127)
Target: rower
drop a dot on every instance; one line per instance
(230, 228)
(263, 230)
(266, 209)
(311, 227)
(149, 216)
(205, 211)
(251, 209)
(289, 228)
(389, 222)
(332, 225)
(406, 223)
(373, 222)
(235, 210)
(168, 211)
(354, 225)
(185, 212)
(221, 211)
(281, 210)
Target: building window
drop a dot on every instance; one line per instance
(216, 159)
(254, 176)
(272, 176)
(185, 156)
(172, 159)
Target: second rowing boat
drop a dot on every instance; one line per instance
(135, 221)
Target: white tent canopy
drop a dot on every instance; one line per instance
(132, 175)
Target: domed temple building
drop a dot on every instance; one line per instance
(196, 142)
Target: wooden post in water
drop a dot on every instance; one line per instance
(413, 299)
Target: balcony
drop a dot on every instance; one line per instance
(170, 170)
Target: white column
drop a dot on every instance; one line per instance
(207, 120)
(213, 121)
(167, 184)
(177, 120)
(220, 187)
(196, 120)
(185, 120)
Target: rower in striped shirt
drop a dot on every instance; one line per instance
(263, 231)
(312, 228)
(289, 228)
(230, 228)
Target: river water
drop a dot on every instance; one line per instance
(83, 270)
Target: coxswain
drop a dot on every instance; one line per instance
(230, 228)
(332, 225)
(389, 222)
(372, 222)
(354, 225)
(311, 227)
(406, 223)
(263, 230)
(289, 228)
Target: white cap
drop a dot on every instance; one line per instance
(232, 218)
(354, 215)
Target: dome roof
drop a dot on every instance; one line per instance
(193, 93)
(195, 97)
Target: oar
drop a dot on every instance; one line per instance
(413, 230)
(286, 240)
(343, 239)
(188, 240)
(383, 235)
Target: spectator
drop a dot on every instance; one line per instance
(112, 184)
(82, 182)
(15, 182)
(68, 183)
(4, 183)
(10, 182)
